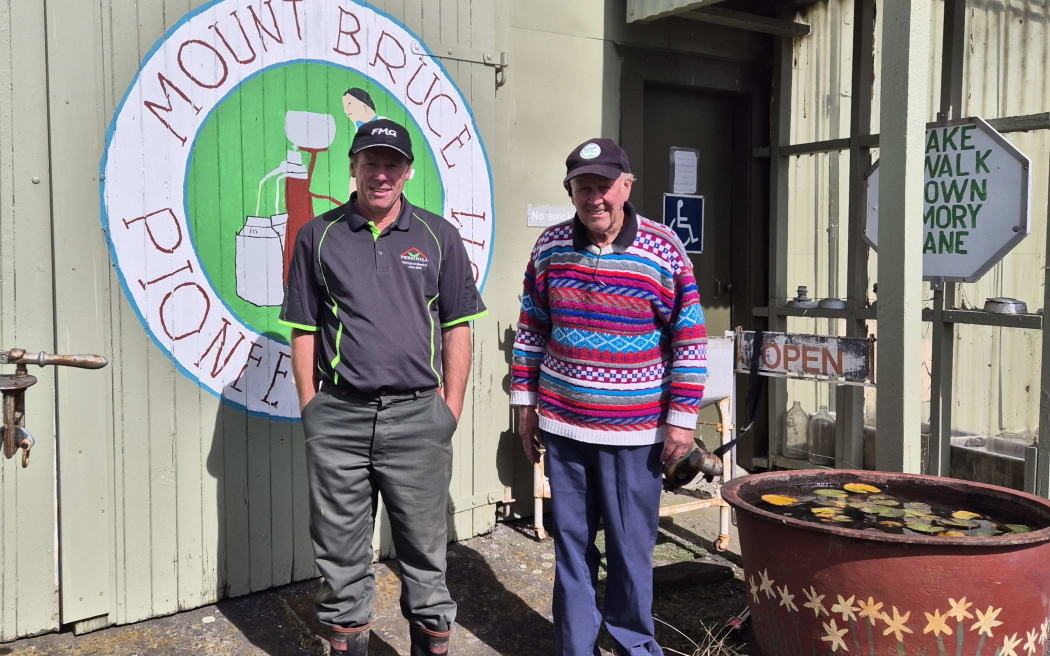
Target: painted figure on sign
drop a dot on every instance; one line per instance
(379, 299)
(360, 109)
(610, 362)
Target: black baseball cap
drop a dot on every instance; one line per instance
(382, 132)
(602, 157)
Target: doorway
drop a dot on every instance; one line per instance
(701, 121)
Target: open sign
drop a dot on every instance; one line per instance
(846, 360)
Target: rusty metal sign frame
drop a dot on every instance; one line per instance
(858, 350)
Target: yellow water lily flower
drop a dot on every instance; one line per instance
(986, 621)
(937, 624)
(953, 534)
(861, 488)
(833, 634)
(778, 499)
(896, 624)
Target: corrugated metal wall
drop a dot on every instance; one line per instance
(996, 379)
(166, 498)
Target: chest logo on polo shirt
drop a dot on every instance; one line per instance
(414, 258)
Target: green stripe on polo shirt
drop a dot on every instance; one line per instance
(436, 240)
(461, 320)
(433, 335)
(300, 326)
(338, 339)
(374, 230)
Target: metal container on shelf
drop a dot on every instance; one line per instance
(796, 421)
(801, 300)
(820, 437)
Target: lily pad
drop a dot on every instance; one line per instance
(861, 488)
(831, 493)
(891, 512)
(916, 512)
(891, 523)
(964, 514)
(1017, 528)
(921, 527)
(984, 530)
(841, 518)
(824, 510)
(885, 502)
(778, 499)
(918, 506)
(961, 523)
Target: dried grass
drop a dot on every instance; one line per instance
(713, 642)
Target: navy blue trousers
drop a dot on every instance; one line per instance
(621, 486)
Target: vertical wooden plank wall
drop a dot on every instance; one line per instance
(488, 416)
(28, 593)
(82, 289)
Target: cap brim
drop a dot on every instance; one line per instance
(394, 148)
(605, 170)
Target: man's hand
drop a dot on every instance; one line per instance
(528, 429)
(456, 408)
(304, 371)
(677, 443)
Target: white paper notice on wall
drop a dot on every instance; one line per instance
(545, 216)
(685, 165)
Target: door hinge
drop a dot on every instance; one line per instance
(498, 59)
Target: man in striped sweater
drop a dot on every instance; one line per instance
(609, 370)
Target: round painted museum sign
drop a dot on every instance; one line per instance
(235, 132)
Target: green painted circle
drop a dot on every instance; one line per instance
(244, 139)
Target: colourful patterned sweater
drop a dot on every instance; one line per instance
(611, 342)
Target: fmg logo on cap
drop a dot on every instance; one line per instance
(233, 134)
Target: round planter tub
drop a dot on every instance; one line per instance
(817, 589)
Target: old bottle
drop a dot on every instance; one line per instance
(686, 468)
(820, 437)
(796, 421)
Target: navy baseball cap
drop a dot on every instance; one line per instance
(382, 132)
(602, 157)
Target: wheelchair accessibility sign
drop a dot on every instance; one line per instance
(684, 214)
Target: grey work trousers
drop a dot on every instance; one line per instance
(357, 448)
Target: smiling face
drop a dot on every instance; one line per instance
(381, 174)
(599, 204)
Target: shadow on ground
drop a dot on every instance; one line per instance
(502, 582)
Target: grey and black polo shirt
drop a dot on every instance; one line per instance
(379, 300)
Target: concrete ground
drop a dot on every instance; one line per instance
(501, 581)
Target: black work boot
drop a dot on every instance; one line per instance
(426, 642)
(349, 642)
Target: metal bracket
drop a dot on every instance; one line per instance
(500, 60)
(464, 504)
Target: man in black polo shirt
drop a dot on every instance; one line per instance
(379, 298)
